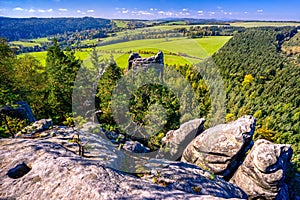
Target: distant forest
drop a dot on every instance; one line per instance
(28, 28)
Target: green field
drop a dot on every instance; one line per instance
(41, 56)
(25, 44)
(120, 23)
(188, 51)
(89, 42)
(30, 43)
(261, 24)
(176, 23)
(41, 40)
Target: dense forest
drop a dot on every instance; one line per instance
(28, 28)
(263, 81)
(260, 80)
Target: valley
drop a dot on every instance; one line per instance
(224, 95)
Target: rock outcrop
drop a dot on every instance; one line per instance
(175, 141)
(220, 149)
(136, 61)
(47, 166)
(36, 127)
(135, 147)
(41, 169)
(262, 173)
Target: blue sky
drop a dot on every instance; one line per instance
(154, 9)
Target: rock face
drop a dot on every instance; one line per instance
(262, 173)
(220, 149)
(41, 169)
(135, 147)
(36, 127)
(175, 141)
(135, 60)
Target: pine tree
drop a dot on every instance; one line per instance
(61, 68)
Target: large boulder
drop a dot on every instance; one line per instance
(36, 128)
(135, 147)
(262, 173)
(221, 149)
(175, 141)
(43, 169)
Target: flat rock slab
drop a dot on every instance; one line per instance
(54, 172)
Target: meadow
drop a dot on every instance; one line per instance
(25, 44)
(177, 50)
(262, 24)
(31, 42)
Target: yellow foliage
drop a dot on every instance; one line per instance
(247, 80)
(229, 117)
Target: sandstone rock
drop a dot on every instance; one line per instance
(262, 173)
(56, 173)
(111, 135)
(176, 140)
(135, 60)
(135, 147)
(220, 149)
(42, 124)
(37, 127)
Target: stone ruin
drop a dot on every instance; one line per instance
(136, 61)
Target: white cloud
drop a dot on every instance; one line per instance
(125, 11)
(245, 12)
(151, 9)
(184, 13)
(199, 11)
(78, 11)
(31, 10)
(219, 7)
(63, 9)
(90, 11)
(211, 13)
(43, 10)
(145, 13)
(169, 13)
(260, 11)
(166, 13)
(18, 9)
(141, 12)
(184, 9)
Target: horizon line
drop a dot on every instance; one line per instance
(163, 19)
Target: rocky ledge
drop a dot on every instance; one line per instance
(43, 169)
(220, 163)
